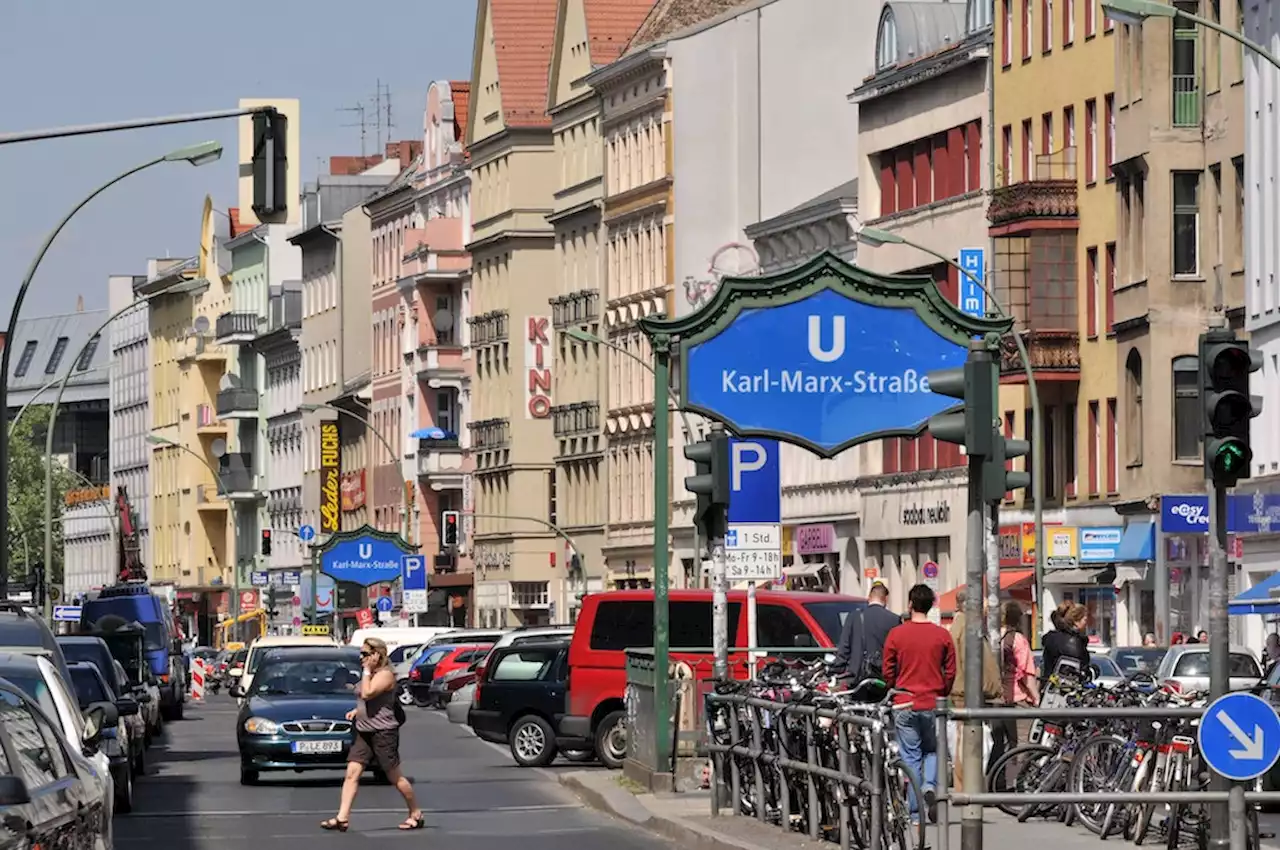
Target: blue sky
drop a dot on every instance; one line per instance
(86, 61)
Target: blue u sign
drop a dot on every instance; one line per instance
(366, 556)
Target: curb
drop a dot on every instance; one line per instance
(624, 805)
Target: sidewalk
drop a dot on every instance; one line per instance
(686, 819)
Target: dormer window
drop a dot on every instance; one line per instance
(977, 16)
(887, 49)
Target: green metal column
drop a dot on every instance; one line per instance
(661, 530)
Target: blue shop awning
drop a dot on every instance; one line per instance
(1258, 599)
(1138, 543)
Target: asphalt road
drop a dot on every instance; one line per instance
(472, 794)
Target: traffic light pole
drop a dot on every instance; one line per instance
(313, 604)
(1219, 641)
(719, 593)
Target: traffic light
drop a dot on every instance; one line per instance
(270, 163)
(997, 480)
(266, 542)
(1225, 365)
(449, 531)
(975, 385)
(710, 483)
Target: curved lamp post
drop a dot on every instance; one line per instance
(53, 416)
(874, 236)
(201, 154)
(408, 505)
(48, 385)
(1137, 11)
(579, 335)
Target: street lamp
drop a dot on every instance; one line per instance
(53, 415)
(875, 237)
(1135, 12)
(408, 505)
(200, 154)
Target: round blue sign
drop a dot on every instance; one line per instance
(306, 533)
(385, 604)
(930, 569)
(1239, 736)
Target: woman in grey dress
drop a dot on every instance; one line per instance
(377, 737)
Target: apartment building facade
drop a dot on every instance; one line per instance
(923, 174)
(741, 166)
(129, 346)
(1053, 227)
(436, 383)
(513, 180)
(1179, 174)
(589, 34)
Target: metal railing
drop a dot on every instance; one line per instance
(1237, 798)
(772, 750)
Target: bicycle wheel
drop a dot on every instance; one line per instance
(1095, 768)
(1016, 771)
(900, 788)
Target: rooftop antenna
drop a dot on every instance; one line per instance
(381, 103)
(361, 123)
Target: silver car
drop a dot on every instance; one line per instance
(1186, 668)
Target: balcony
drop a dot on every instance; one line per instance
(441, 366)
(207, 421)
(209, 499)
(1035, 275)
(236, 328)
(284, 311)
(238, 403)
(1047, 200)
(1052, 353)
(440, 463)
(239, 482)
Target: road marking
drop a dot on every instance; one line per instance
(239, 813)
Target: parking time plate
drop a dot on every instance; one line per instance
(317, 747)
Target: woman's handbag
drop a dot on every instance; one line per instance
(398, 710)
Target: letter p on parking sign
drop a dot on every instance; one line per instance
(413, 572)
(755, 478)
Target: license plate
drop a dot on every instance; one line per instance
(316, 747)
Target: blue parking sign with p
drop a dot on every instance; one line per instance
(413, 572)
(755, 481)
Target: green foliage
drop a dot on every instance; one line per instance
(26, 496)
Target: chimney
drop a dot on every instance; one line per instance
(79, 303)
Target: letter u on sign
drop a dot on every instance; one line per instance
(836, 351)
(366, 551)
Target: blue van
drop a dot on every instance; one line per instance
(134, 602)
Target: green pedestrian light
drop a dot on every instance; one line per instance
(1227, 407)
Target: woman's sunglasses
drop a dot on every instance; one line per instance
(364, 654)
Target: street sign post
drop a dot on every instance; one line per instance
(365, 556)
(414, 583)
(754, 519)
(1239, 736)
(306, 533)
(385, 604)
(929, 569)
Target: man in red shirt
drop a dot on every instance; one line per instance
(920, 663)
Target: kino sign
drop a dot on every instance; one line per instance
(826, 356)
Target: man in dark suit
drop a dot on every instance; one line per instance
(860, 654)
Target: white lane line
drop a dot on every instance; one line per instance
(239, 813)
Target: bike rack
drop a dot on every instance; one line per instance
(755, 751)
(1237, 799)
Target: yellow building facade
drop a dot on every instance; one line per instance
(190, 521)
(1052, 220)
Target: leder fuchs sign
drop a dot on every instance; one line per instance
(329, 477)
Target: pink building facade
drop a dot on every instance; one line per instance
(432, 296)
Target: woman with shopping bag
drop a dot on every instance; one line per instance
(992, 693)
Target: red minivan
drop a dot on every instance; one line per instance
(610, 623)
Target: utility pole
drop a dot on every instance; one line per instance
(1225, 365)
(977, 428)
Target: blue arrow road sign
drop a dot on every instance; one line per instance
(973, 299)
(66, 613)
(1240, 736)
(413, 572)
(825, 371)
(755, 481)
(306, 533)
(385, 604)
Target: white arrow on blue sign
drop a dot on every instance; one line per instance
(385, 604)
(66, 613)
(306, 533)
(1240, 736)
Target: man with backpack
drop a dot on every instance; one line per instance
(860, 654)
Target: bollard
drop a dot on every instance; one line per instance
(197, 680)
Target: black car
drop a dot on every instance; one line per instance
(116, 743)
(294, 716)
(49, 795)
(20, 629)
(521, 699)
(94, 650)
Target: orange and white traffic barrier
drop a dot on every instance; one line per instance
(197, 679)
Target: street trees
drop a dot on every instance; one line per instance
(26, 498)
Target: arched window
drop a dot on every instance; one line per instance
(1188, 435)
(977, 15)
(887, 49)
(1133, 407)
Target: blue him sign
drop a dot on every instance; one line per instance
(973, 298)
(1240, 736)
(755, 485)
(365, 556)
(825, 356)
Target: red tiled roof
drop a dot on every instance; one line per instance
(610, 25)
(523, 32)
(461, 90)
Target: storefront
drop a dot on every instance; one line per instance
(908, 527)
(821, 557)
